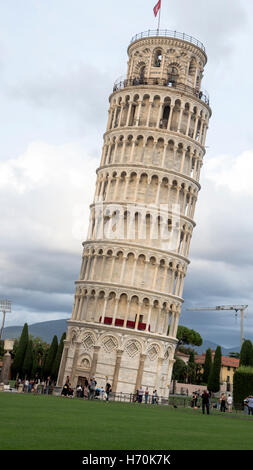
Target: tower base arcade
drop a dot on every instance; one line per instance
(125, 358)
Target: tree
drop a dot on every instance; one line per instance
(179, 370)
(246, 354)
(234, 354)
(50, 357)
(28, 360)
(207, 365)
(57, 361)
(242, 385)
(40, 349)
(17, 365)
(36, 368)
(187, 336)
(191, 368)
(213, 383)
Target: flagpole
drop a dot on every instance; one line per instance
(159, 18)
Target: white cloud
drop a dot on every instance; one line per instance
(48, 187)
(232, 172)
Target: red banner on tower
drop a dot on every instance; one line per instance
(157, 7)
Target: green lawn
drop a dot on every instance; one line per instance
(48, 422)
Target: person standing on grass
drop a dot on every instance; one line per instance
(154, 398)
(108, 390)
(93, 384)
(229, 403)
(223, 403)
(205, 402)
(140, 394)
(146, 395)
(249, 402)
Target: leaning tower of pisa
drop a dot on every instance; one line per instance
(129, 293)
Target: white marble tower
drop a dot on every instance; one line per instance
(129, 293)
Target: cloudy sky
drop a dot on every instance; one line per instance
(58, 62)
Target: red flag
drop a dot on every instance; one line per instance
(157, 7)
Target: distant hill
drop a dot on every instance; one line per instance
(46, 330)
(209, 344)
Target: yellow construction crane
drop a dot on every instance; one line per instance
(236, 308)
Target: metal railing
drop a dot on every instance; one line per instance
(128, 82)
(170, 34)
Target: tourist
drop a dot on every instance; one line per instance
(102, 393)
(26, 385)
(79, 390)
(70, 391)
(196, 400)
(193, 400)
(86, 391)
(92, 388)
(108, 390)
(205, 402)
(223, 402)
(146, 395)
(140, 394)
(249, 402)
(154, 398)
(65, 390)
(229, 403)
(47, 386)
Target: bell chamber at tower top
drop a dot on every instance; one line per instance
(169, 59)
(162, 88)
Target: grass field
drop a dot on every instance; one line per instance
(36, 422)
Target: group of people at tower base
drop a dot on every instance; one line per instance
(87, 390)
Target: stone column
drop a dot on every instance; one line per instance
(149, 112)
(116, 371)
(170, 117)
(94, 361)
(195, 127)
(138, 315)
(138, 114)
(182, 161)
(159, 365)
(129, 113)
(115, 310)
(164, 154)
(75, 359)
(159, 116)
(140, 371)
(180, 120)
(188, 123)
(104, 309)
(149, 316)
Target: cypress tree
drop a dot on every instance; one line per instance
(246, 354)
(213, 384)
(28, 360)
(207, 365)
(35, 365)
(57, 361)
(17, 365)
(50, 357)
